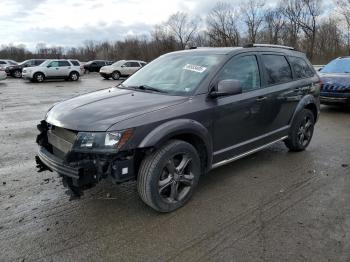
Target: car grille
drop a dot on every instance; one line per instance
(335, 88)
(62, 140)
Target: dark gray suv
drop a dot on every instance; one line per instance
(180, 116)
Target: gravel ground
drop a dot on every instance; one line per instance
(271, 206)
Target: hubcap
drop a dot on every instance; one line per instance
(40, 78)
(74, 76)
(305, 131)
(176, 179)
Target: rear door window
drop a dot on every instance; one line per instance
(277, 69)
(245, 69)
(134, 64)
(300, 67)
(64, 63)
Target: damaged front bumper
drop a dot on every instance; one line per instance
(81, 171)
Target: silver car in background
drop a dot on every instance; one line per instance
(53, 69)
(121, 68)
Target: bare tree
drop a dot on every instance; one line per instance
(308, 23)
(292, 10)
(344, 10)
(275, 23)
(253, 17)
(222, 25)
(182, 28)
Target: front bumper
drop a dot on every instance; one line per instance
(83, 170)
(26, 76)
(53, 163)
(103, 74)
(334, 98)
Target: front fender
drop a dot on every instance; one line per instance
(177, 127)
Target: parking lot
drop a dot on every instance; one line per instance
(271, 206)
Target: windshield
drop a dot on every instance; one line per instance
(174, 74)
(12, 62)
(118, 63)
(24, 62)
(337, 66)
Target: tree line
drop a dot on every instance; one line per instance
(307, 25)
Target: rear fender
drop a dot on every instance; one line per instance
(307, 101)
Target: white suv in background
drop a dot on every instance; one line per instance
(121, 68)
(5, 63)
(53, 69)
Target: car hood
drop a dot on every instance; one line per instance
(335, 79)
(97, 111)
(107, 68)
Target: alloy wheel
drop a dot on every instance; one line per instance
(305, 131)
(176, 179)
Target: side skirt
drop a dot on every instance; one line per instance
(227, 161)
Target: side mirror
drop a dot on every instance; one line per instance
(123, 66)
(320, 69)
(227, 87)
(48, 66)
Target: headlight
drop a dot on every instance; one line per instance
(102, 141)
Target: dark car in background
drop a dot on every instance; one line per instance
(16, 70)
(180, 116)
(336, 82)
(95, 65)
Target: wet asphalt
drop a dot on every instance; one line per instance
(271, 206)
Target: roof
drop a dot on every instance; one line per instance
(211, 50)
(230, 50)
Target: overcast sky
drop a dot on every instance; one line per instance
(71, 22)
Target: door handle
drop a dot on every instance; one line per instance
(261, 98)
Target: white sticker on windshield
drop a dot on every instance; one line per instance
(195, 68)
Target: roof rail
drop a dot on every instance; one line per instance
(268, 45)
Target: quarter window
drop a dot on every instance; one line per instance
(134, 64)
(245, 69)
(277, 69)
(301, 68)
(75, 63)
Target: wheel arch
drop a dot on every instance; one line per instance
(74, 71)
(186, 130)
(308, 102)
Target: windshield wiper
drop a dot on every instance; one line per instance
(150, 88)
(143, 87)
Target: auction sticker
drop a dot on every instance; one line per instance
(194, 68)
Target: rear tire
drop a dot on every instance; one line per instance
(115, 75)
(301, 131)
(168, 177)
(74, 76)
(39, 77)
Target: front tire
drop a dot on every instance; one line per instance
(301, 131)
(39, 77)
(115, 75)
(168, 177)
